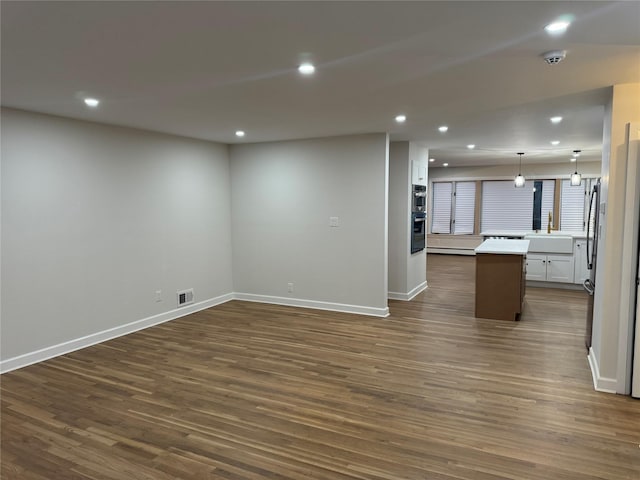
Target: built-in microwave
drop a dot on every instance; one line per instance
(419, 198)
(418, 227)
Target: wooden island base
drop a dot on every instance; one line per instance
(500, 286)
(500, 278)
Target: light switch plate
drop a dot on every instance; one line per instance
(334, 222)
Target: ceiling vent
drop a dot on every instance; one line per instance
(554, 57)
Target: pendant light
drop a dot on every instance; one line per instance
(576, 178)
(519, 181)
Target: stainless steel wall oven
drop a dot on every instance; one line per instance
(419, 198)
(418, 226)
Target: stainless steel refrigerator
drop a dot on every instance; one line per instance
(593, 232)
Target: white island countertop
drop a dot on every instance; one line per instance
(504, 247)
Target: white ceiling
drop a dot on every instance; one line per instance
(207, 69)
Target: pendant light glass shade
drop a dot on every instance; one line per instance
(519, 181)
(576, 178)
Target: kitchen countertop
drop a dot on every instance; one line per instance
(505, 247)
(522, 233)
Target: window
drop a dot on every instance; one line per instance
(543, 201)
(505, 207)
(465, 213)
(587, 199)
(453, 209)
(441, 211)
(572, 206)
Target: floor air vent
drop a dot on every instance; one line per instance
(185, 297)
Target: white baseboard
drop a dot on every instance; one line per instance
(47, 353)
(408, 296)
(297, 302)
(99, 337)
(562, 286)
(600, 384)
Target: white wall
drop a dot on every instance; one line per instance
(399, 217)
(283, 194)
(407, 271)
(417, 262)
(95, 219)
(607, 360)
(595, 352)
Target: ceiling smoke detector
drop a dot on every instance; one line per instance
(555, 56)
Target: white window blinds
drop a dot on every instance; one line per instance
(572, 206)
(441, 211)
(465, 200)
(505, 207)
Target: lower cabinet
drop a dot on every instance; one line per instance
(550, 268)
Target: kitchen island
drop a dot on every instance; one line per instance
(500, 278)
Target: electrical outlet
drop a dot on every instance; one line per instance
(334, 222)
(158, 295)
(290, 287)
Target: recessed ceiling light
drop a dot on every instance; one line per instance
(401, 118)
(558, 27)
(471, 146)
(432, 160)
(91, 102)
(239, 133)
(445, 164)
(555, 142)
(573, 159)
(443, 128)
(555, 119)
(306, 68)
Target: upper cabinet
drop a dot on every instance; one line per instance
(419, 155)
(418, 173)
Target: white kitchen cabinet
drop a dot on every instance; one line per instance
(419, 172)
(536, 267)
(550, 268)
(580, 271)
(560, 268)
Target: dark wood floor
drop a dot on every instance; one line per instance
(250, 391)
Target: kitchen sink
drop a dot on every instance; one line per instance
(545, 243)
